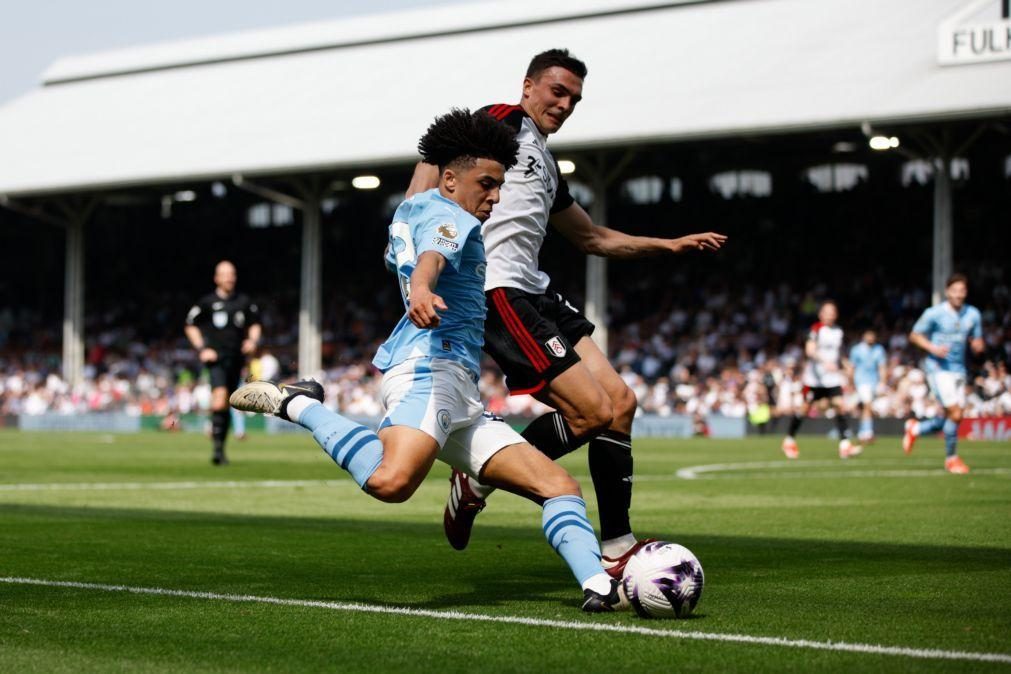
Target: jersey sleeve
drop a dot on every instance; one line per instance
(977, 325)
(925, 324)
(253, 313)
(445, 236)
(853, 354)
(196, 314)
(562, 197)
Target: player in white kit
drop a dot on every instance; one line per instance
(823, 381)
(539, 339)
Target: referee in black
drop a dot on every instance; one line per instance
(224, 327)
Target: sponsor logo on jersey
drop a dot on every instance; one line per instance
(448, 230)
(220, 319)
(446, 243)
(444, 420)
(556, 347)
(446, 346)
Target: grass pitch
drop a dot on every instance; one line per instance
(882, 549)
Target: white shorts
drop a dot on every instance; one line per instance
(865, 393)
(439, 397)
(948, 388)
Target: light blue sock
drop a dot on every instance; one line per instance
(352, 446)
(950, 437)
(930, 426)
(866, 427)
(571, 535)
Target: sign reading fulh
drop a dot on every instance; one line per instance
(979, 32)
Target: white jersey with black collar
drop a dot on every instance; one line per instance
(533, 190)
(825, 369)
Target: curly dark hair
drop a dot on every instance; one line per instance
(460, 137)
(556, 57)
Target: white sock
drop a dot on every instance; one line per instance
(616, 547)
(298, 405)
(599, 583)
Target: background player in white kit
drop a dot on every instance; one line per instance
(943, 331)
(539, 340)
(823, 381)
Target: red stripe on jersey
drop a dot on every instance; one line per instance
(502, 114)
(494, 109)
(519, 333)
(527, 391)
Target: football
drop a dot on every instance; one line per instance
(663, 580)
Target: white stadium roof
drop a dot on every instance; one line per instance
(359, 92)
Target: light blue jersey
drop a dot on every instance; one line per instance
(867, 360)
(943, 326)
(430, 222)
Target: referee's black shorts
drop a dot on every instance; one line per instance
(531, 337)
(225, 372)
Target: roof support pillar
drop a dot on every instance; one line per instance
(943, 228)
(310, 343)
(596, 273)
(601, 177)
(73, 302)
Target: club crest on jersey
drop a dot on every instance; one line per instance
(556, 347)
(448, 230)
(444, 420)
(446, 243)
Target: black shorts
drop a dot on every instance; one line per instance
(531, 337)
(816, 393)
(225, 372)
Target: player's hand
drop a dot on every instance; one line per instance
(941, 351)
(706, 241)
(422, 309)
(208, 355)
(248, 346)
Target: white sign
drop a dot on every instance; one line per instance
(960, 39)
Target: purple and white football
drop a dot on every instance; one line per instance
(663, 580)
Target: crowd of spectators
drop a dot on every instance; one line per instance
(722, 351)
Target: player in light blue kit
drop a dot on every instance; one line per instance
(867, 368)
(943, 331)
(431, 361)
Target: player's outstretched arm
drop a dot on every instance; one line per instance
(424, 302)
(575, 224)
(920, 340)
(426, 176)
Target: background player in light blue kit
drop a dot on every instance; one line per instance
(431, 361)
(943, 331)
(867, 368)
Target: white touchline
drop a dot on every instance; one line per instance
(167, 486)
(872, 649)
(792, 469)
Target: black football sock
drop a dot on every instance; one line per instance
(842, 423)
(611, 469)
(551, 434)
(794, 425)
(219, 431)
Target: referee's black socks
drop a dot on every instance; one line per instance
(219, 430)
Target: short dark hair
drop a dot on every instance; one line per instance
(460, 137)
(956, 278)
(556, 57)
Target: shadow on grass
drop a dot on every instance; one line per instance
(398, 562)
